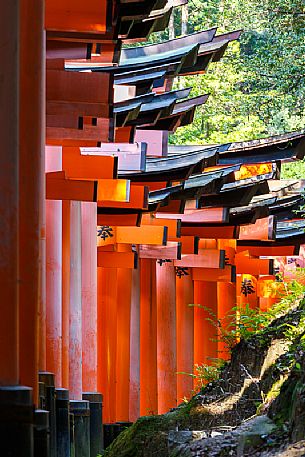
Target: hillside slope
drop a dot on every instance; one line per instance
(265, 377)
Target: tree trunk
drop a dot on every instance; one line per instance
(184, 20)
(171, 26)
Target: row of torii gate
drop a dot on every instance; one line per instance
(108, 234)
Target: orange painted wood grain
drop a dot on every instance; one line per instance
(89, 298)
(185, 336)
(135, 343)
(107, 340)
(66, 206)
(75, 312)
(205, 333)
(166, 336)
(124, 284)
(54, 274)
(148, 338)
(31, 200)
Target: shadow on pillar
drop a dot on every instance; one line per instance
(96, 422)
(16, 421)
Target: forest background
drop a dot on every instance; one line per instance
(258, 87)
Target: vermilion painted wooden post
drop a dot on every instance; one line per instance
(66, 206)
(205, 332)
(185, 336)
(148, 338)
(89, 296)
(266, 303)
(75, 328)
(9, 162)
(247, 291)
(42, 326)
(32, 94)
(107, 339)
(226, 292)
(54, 272)
(16, 430)
(166, 336)
(134, 389)
(124, 278)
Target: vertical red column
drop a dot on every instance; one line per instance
(16, 430)
(166, 336)
(66, 206)
(9, 162)
(89, 296)
(75, 328)
(107, 339)
(226, 292)
(42, 324)
(185, 336)
(134, 391)
(124, 278)
(205, 332)
(268, 292)
(148, 338)
(266, 303)
(54, 272)
(247, 290)
(31, 170)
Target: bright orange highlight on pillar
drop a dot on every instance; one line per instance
(185, 336)
(107, 339)
(205, 333)
(166, 337)
(148, 339)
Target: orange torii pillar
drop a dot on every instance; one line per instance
(246, 291)
(269, 291)
(54, 273)
(166, 336)
(31, 174)
(66, 207)
(42, 318)
(89, 297)
(148, 338)
(134, 388)
(75, 327)
(265, 303)
(205, 332)
(124, 283)
(226, 297)
(107, 283)
(9, 204)
(185, 336)
(16, 409)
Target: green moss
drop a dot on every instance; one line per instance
(149, 434)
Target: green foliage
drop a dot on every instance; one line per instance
(243, 322)
(238, 323)
(205, 373)
(295, 170)
(257, 89)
